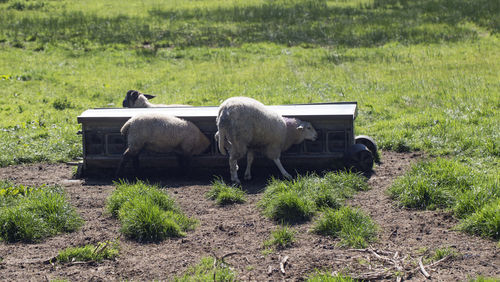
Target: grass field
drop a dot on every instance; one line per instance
(425, 74)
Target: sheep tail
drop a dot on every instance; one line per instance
(125, 128)
(221, 140)
(222, 124)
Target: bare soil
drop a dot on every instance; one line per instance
(239, 230)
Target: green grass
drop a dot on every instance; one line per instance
(97, 253)
(300, 199)
(425, 73)
(484, 279)
(30, 214)
(485, 221)
(443, 252)
(225, 23)
(224, 194)
(282, 237)
(351, 225)
(452, 185)
(206, 270)
(434, 72)
(146, 213)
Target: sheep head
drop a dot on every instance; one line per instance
(307, 131)
(136, 99)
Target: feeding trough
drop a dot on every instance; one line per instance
(335, 147)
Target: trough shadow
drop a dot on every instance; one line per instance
(174, 178)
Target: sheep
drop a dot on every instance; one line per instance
(245, 125)
(136, 99)
(161, 133)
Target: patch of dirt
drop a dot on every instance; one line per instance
(241, 229)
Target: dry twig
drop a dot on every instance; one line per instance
(397, 265)
(283, 263)
(422, 268)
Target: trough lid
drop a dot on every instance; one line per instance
(342, 110)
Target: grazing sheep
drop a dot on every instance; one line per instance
(136, 99)
(161, 133)
(246, 125)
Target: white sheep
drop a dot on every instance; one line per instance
(161, 133)
(245, 125)
(136, 99)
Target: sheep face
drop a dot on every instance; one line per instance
(307, 131)
(135, 99)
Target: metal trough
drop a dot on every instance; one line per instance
(335, 147)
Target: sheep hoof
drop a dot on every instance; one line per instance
(288, 176)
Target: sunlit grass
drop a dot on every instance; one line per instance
(31, 214)
(322, 276)
(300, 199)
(208, 269)
(97, 253)
(452, 185)
(350, 225)
(146, 213)
(224, 194)
(425, 74)
(282, 237)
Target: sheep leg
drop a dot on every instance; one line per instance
(127, 155)
(248, 174)
(282, 169)
(233, 168)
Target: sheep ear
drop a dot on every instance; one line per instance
(149, 96)
(133, 94)
(300, 127)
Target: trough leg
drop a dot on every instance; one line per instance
(184, 164)
(282, 169)
(248, 173)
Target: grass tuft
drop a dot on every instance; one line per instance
(300, 199)
(32, 214)
(321, 276)
(353, 227)
(281, 238)
(484, 222)
(444, 252)
(97, 253)
(126, 191)
(146, 213)
(208, 270)
(224, 194)
(451, 185)
(431, 184)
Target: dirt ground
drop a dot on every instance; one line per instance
(240, 230)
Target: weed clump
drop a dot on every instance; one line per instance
(146, 213)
